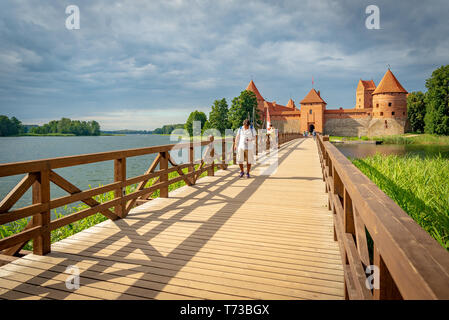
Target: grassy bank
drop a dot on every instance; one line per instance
(419, 186)
(341, 138)
(70, 229)
(408, 138)
(418, 139)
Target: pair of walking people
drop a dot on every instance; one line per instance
(244, 145)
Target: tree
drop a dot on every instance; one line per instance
(437, 102)
(416, 110)
(218, 117)
(241, 107)
(195, 116)
(10, 127)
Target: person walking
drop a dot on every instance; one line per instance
(244, 147)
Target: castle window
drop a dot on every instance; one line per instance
(368, 113)
(310, 111)
(392, 113)
(377, 105)
(381, 113)
(403, 113)
(389, 104)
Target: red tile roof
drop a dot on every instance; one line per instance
(368, 84)
(312, 97)
(252, 87)
(389, 84)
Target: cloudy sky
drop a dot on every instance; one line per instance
(140, 64)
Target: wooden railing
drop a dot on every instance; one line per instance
(40, 173)
(406, 261)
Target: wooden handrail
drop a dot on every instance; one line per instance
(39, 175)
(410, 263)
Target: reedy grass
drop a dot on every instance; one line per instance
(420, 186)
(418, 139)
(75, 227)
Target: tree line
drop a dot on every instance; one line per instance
(221, 117)
(429, 112)
(68, 126)
(168, 128)
(13, 126)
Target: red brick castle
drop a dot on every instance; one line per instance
(380, 110)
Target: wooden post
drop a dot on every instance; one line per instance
(120, 176)
(163, 165)
(234, 155)
(41, 194)
(387, 287)
(191, 168)
(349, 214)
(257, 144)
(210, 171)
(223, 154)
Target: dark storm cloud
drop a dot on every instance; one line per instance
(139, 64)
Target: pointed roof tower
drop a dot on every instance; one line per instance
(389, 84)
(252, 87)
(312, 97)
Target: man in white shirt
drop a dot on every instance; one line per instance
(244, 146)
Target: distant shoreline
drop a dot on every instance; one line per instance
(59, 135)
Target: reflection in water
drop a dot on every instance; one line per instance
(366, 150)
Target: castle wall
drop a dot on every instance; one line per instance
(347, 126)
(364, 126)
(385, 127)
(287, 125)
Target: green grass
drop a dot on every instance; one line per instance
(419, 186)
(418, 139)
(47, 135)
(72, 228)
(341, 138)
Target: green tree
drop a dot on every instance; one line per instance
(416, 110)
(437, 102)
(195, 116)
(241, 107)
(64, 125)
(10, 127)
(218, 117)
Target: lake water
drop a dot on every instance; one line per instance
(15, 149)
(365, 150)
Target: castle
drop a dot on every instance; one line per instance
(380, 110)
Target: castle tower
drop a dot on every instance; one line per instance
(260, 100)
(390, 98)
(363, 97)
(291, 104)
(312, 112)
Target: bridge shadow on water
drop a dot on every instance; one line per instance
(144, 252)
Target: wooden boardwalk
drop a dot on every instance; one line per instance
(268, 237)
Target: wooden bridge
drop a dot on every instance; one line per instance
(299, 232)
